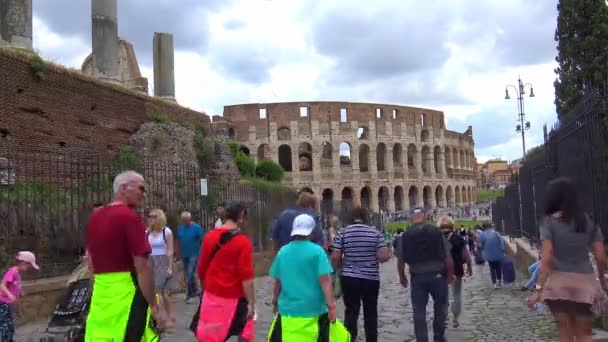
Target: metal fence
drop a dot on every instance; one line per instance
(577, 148)
(343, 210)
(46, 199)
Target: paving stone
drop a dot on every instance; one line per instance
(488, 314)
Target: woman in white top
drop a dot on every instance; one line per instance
(161, 258)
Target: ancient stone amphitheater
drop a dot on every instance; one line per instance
(384, 157)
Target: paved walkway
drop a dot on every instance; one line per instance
(488, 314)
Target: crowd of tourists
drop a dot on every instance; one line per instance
(133, 261)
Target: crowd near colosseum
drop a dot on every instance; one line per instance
(385, 157)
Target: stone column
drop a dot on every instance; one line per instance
(388, 163)
(295, 159)
(390, 203)
(373, 200)
(356, 197)
(418, 163)
(354, 158)
(420, 199)
(317, 150)
(432, 199)
(442, 169)
(105, 39)
(406, 166)
(164, 71)
(16, 24)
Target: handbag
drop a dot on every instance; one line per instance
(224, 239)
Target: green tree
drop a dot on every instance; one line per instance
(245, 164)
(582, 45)
(269, 170)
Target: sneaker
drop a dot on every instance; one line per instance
(499, 283)
(188, 300)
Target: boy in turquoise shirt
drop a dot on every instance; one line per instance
(302, 274)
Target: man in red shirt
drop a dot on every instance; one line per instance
(225, 268)
(118, 251)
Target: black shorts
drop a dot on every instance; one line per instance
(569, 307)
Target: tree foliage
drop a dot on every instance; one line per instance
(269, 170)
(535, 152)
(245, 164)
(582, 44)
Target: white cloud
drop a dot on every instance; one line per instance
(452, 55)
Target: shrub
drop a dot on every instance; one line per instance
(157, 141)
(269, 170)
(205, 155)
(127, 160)
(234, 148)
(245, 164)
(160, 117)
(39, 68)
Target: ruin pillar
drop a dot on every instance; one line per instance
(16, 24)
(388, 163)
(164, 71)
(105, 39)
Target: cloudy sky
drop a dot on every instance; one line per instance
(451, 55)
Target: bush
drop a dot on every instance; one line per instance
(160, 117)
(269, 170)
(245, 164)
(39, 68)
(205, 155)
(157, 141)
(234, 148)
(127, 160)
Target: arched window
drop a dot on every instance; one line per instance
(345, 150)
(381, 157)
(327, 155)
(398, 198)
(285, 157)
(363, 158)
(305, 156)
(264, 152)
(365, 197)
(413, 196)
(397, 156)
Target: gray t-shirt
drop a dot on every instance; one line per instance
(570, 249)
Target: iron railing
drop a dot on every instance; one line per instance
(576, 147)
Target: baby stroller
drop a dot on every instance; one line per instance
(70, 315)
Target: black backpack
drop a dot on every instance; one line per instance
(164, 235)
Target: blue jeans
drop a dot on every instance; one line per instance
(190, 273)
(534, 269)
(435, 285)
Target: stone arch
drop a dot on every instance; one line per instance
(399, 198)
(231, 133)
(364, 158)
(462, 165)
(412, 156)
(245, 150)
(397, 156)
(439, 199)
(412, 195)
(306, 189)
(345, 154)
(456, 159)
(283, 133)
(383, 198)
(327, 156)
(449, 194)
(366, 197)
(347, 198)
(362, 133)
(327, 202)
(464, 195)
(457, 194)
(466, 159)
(427, 197)
(448, 157)
(427, 159)
(381, 153)
(305, 156)
(285, 157)
(471, 200)
(263, 152)
(437, 159)
(425, 136)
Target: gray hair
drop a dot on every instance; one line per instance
(186, 215)
(125, 177)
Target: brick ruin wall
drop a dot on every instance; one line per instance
(69, 112)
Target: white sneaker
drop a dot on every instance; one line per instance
(499, 283)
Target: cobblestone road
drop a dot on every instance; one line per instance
(488, 314)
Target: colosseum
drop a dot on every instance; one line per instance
(384, 157)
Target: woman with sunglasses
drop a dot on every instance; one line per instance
(161, 258)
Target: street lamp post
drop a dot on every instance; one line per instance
(522, 127)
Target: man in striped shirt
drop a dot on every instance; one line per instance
(359, 249)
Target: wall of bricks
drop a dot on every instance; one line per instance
(70, 112)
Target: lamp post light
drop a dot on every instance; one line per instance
(522, 127)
